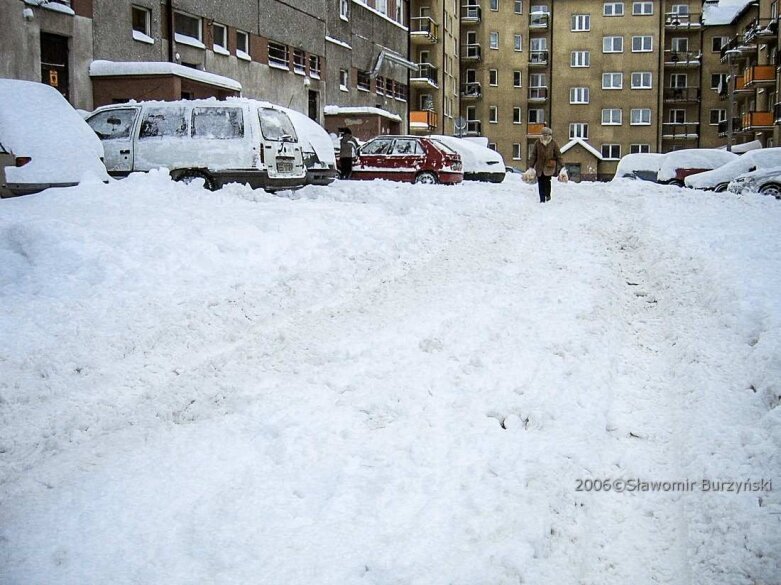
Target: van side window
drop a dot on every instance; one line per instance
(113, 124)
(275, 125)
(163, 123)
(218, 123)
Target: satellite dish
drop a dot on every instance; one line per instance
(460, 125)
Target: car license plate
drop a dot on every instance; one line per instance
(284, 167)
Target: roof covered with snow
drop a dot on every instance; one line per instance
(475, 157)
(584, 144)
(102, 68)
(723, 12)
(360, 111)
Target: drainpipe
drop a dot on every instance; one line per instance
(169, 7)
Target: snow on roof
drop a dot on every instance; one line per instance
(359, 110)
(338, 42)
(693, 158)
(312, 133)
(745, 147)
(584, 144)
(102, 68)
(475, 158)
(639, 161)
(54, 6)
(723, 12)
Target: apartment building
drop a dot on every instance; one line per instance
(434, 87)
(342, 62)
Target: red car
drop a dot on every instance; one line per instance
(408, 158)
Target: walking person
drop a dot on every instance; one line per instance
(348, 150)
(546, 162)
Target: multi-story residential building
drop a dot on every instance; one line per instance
(343, 62)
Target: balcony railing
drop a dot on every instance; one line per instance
(680, 130)
(427, 74)
(538, 57)
(757, 120)
(425, 120)
(423, 30)
(682, 94)
(760, 75)
(474, 127)
(471, 90)
(539, 20)
(760, 28)
(470, 52)
(470, 14)
(538, 93)
(673, 20)
(534, 128)
(682, 58)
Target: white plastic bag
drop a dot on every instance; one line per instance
(530, 176)
(563, 176)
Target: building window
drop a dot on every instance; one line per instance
(642, 8)
(639, 148)
(142, 20)
(493, 40)
(188, 26)
(677, 117)
(344, 9)
(344, 80)
(493, 114)
(399, 12)
(679, 81)
(492, 145)
(679, 44)
(314, 66)
(717, 116)
(518, 7)
(612, 80)
(581, 22)
(278, 55)
(536, 116)
(580, 59)
(381, 6)
(611, 117)
(516, 151)
(518, 40)
(613, 9)
(611, 151)
(579, 95)
(717, 43)
(220, 33)
(612, 44)
(718, 81)
(578, 130)
(242, 45)
(493, 77)
(642, 44)
(517, 78)
(494, 5)
(517, 115)
(299, 61)
(640, 117)
(642, 80)
(364, 81)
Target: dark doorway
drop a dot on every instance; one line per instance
(314, 105)
(574, 172)
(54, 62)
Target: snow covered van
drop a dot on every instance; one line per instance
(236, 140)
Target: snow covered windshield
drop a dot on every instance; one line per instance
(219, 123)
(275, 125)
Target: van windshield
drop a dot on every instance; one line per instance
(276, 126)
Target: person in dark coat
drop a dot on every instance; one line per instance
(348, 150)
(546, 161)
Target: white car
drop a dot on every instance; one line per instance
(718, 178)
(44, 142)
(679, 164)
(480, 162)
(640, 165)
(764, 181)
(317, 149)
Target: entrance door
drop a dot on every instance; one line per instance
(314, 106)
(54, 62)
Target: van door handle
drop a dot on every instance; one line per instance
(124, 151)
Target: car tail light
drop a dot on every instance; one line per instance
(22, 160)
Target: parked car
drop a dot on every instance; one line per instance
(718, 178)
(408, 158)
(679, 164)
(640, 165)
(44, 142)
(236, 140)
(480, 162)
(317, 149)
(765, 181)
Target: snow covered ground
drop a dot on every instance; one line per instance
(381, 383)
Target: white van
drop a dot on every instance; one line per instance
(236, 140)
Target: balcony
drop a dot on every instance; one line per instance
(423, 121)
(538, 94)
(538, 58)
(740, 85)
(470, 52)
(757, 121)
(682, 58)
(681, 95)
(471, 91)
(470, 14)
(777, 113)
(534, 129)
(680, 130)
(423, 31)
(682, 22)
(474, 128)
(733, 47)
(427, 75)
(539, 20)
(761, 28)
(760, 76)
(736, 126)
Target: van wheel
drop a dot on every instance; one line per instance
(771, 189)
(426, 179)
(720, 188)
(190, 176)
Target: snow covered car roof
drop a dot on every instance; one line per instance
(632, 165)
(37, 122)
(474, 157)
(760, 159)
(692, 158)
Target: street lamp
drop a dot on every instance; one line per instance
(730, 53)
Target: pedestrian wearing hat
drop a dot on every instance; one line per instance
(348, 150)
(546, 162)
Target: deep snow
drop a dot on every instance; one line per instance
(383, 383)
